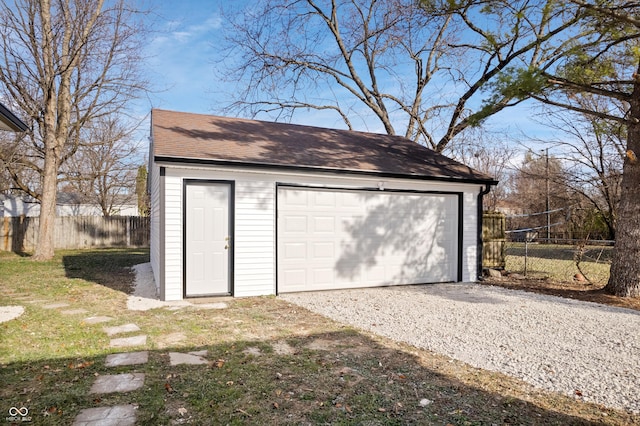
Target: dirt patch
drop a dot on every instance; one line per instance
(283, 348)
(252, 350)
(179, 411)
(568, 289)
(322, 345)
(169, 340)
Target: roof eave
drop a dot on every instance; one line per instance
(220, 162)
(11, 120)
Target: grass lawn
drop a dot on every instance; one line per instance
(270, 362)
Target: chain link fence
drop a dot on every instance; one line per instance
(525, 253)
(557, 259)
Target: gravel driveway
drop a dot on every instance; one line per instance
(553, 343)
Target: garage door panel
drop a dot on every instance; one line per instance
(295, 224)
(323, 276)
(324, 199)
(324, 250)
(323, 224)
(295, 251)
(365, 238)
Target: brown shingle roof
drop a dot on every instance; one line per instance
(179, 136)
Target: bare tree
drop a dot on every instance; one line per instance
(494, 159)
(103, 169)
(541, 193)
(66, 63)
(420, 67)
(593, 150)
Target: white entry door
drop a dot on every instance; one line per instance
(207, 239)
(333, 239)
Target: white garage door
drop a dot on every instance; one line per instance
(330, 239)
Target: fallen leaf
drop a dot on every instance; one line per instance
(278, 392)
(168, 387)
(578, 393)
(219, 363)
(97, 400)
(182, 411)
(275, 405)
(230, 382)
(346, 407)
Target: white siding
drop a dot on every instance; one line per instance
(255, 220)
(254, 265)
(470, 234)
(173, 237)
(154, 237)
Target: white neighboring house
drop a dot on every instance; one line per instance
(68, 204)
(244, 208)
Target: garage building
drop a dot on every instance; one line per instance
(244, 208)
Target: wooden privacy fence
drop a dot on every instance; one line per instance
(493, 240)
(19, 234)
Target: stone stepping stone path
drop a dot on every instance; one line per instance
(7, 313)
(125, 382)
(190, 358)
(74, 311)
(127, 358)
(126, 328)
(55, 305)
(123, 415)
(124, 342)
(118, 415)
(97, 320)
(20, 297)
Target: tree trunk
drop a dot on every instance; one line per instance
(46, 230)
(624, 279)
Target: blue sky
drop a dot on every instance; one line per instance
(181, 53)
(181, 67)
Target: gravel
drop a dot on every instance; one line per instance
(581, 349)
